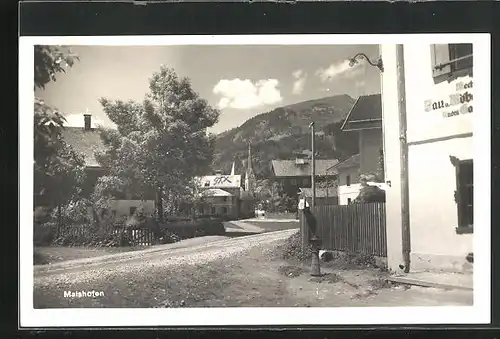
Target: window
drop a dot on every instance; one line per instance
(213, 210)
(294, 182)
(223, 210)
(348, 180)
(224, 199)
(132, 210)
(305, 181)
(207, 183)
(349, 201)
(113, 214)
(464, 194)
(449, 60)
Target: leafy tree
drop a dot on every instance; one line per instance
(58, 170)
(161, 144)
(50, 61)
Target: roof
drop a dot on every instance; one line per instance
(289, 168)
(220, 181)
(320, 192)
(84, 142)
(215, 192)
(352, 161)
(365, 113)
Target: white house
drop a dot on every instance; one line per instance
(438, 88)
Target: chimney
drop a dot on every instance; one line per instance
(88, 120)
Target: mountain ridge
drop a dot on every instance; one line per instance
(284, 131)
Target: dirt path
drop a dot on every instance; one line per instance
(237, 272)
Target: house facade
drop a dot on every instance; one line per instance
(87, 141)
(220, 195)
(292, 175)
(324, 196)
(438, 89)
(365, 117)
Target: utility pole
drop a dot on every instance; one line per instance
(313, 166)
(405, 201)
(314, 240)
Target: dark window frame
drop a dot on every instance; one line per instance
(463, 199)
(348, 180)
(132, 210)
(450, 61)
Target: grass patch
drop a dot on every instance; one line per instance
(292, 249)
(330, 278)
(290, 271)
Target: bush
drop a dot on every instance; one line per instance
(43, 234)
(292, 249)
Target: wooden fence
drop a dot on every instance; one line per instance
(355, 228)
(138, 237)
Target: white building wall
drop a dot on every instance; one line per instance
(122, 207)
(432, 139)
(345, 192)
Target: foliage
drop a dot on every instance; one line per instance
(161, 144)
(50, 61)
(369, 193)
(58, 170)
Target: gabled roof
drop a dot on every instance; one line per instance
(290, 168)
(215, 192)
(353, 161)
(365, 113)
(85, 142)
(320, 192)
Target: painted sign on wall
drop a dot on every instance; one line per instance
(457, 103)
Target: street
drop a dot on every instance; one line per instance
(243, 271)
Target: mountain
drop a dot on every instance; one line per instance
(284, 132)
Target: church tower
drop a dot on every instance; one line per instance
(249, 174)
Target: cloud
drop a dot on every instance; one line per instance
(340, 69)
(243, 94)
(299, 83)
(360, 84)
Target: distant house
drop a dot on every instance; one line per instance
(348, 183)
(292, 175)
(219, 195)
(365, 117)
(324, 196)
(226, 195)
(87, 141)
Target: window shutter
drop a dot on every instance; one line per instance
(440, 53)
(458, 195)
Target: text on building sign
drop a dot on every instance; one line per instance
(457, 103)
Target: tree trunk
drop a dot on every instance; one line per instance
(159, 204)
(59, 220)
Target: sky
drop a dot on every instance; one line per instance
(241, 81)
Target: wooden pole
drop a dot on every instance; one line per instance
(405, 211)
(313, 166)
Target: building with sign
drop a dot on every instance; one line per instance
(437, 84)
(220, 195)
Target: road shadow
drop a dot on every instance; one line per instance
(240, 234)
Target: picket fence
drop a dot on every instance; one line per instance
(138, 237)
(354, 228)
